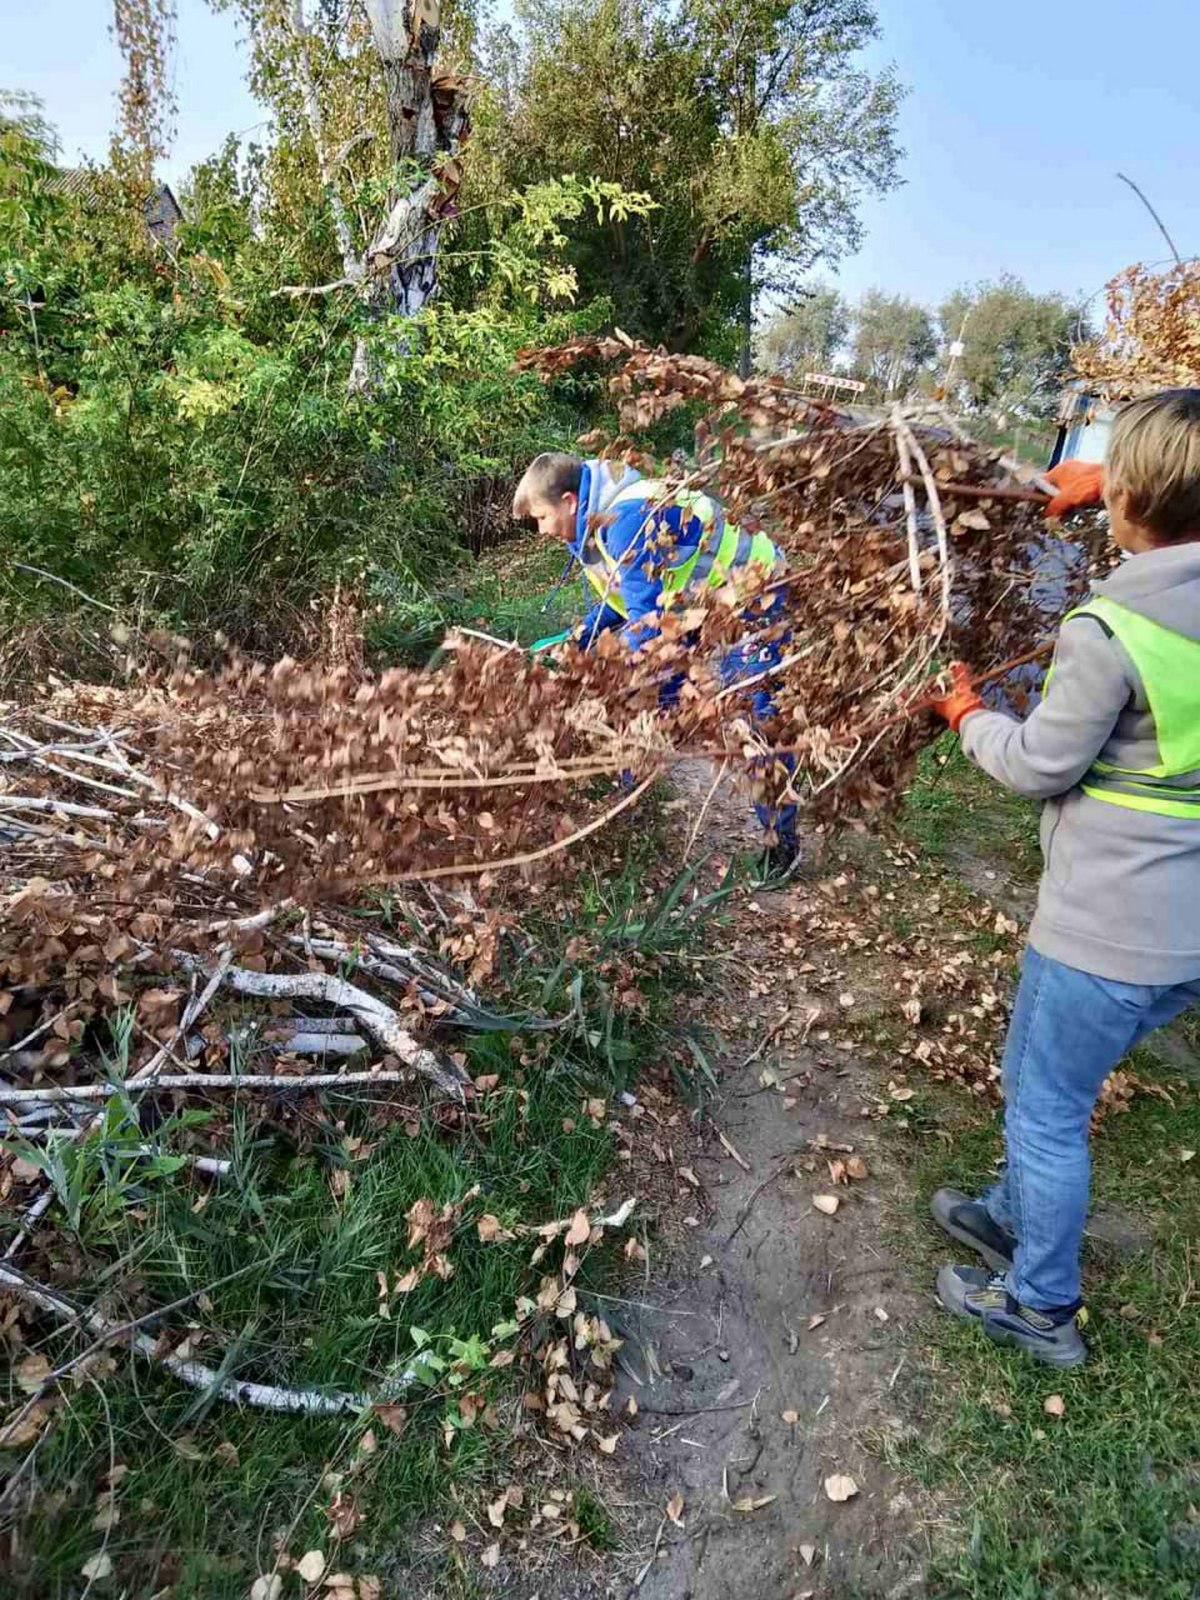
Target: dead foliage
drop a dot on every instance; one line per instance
(1151, 337)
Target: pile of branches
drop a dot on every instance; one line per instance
(1151, 337)
(200, 830)
(170, 824)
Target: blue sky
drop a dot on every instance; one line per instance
(1018, 119)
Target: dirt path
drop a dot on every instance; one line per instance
(764, 1358)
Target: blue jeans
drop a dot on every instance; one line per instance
(1069, 1029)
(746, 661)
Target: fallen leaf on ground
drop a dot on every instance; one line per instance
(1054, 1405)
(23, 1426)
(748, 1503)
(856, 1167)
(491, 1556)
(491, 1231)
(580, 1229)
(187, 1447)
(1187, 1155)
(815, 1320)
(370, 1587)
(226, 1453)
(394, 1418)
(808, 1554)
(311, 1565)
(458, 1532)
(689, 1176)
(101, 1567)
(838, 1487)
(675, 1509)
(32, 1373)
(826, 1203)
(608, 1446)
(791, 1417)
(106, 1518)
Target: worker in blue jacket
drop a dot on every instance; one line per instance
(638, 542)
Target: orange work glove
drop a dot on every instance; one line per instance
(962, 699)
(1079, 483)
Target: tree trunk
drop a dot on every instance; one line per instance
(746, 358)
(427, 119)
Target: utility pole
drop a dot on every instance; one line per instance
(954, 353)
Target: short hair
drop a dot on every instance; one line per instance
(547, 478)
(1154, 458)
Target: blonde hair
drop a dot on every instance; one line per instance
(1154, 457)
(547, 478)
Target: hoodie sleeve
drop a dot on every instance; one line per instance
(1050, 751)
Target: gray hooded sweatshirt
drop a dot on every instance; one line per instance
(1120, 893)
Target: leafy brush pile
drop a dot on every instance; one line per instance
(1151, 338)
(907, 545)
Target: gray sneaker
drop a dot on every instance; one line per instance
(1052, 1337)
(971, 1224)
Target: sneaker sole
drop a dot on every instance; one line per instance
(1046, 1354)
(997, 1262)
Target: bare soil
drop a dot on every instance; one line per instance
(764, 1355)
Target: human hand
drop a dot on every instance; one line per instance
(962, 699)
(1080, 484)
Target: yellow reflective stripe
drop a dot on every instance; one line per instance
(1159, 805)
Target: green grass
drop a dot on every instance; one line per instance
(513, 593)
(954, 811)
(209, 1485)
(1104, 1502)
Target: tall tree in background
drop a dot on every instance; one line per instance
(808, 335)
(365, 120)
(751, 125)
(894, 340)
(1017, 347)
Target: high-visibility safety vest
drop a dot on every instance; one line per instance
(722, 548)
(1168, 664)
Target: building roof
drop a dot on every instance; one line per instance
(163, 211)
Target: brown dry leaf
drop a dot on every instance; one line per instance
(689, 1176)
(491, 1556)
(808, 1554)
(750, 1503)
(226, 1453)
(268, 1587)
(100, 1567)
(826, 1203)
(815, 1320)
(458, 1532)
(32, 1373)
(370, 1587)
(344, 1515)
(311, 1565)
(675, 1509)
(393, 1417)
(23, 1426)
(856, 1168)
(496, 1510)
(107, 1517)
(1187, 1155)
(579, 1231)
(791, 1418)
(607, 1446)
(187, 1447)
(492, 1231)
(839, 1486)
(1054, 1405)
(901, 1091)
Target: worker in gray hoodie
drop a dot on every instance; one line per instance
(1113, 749)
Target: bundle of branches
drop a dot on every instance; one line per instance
(168, 826)
(1151, 338)
(907, 545)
